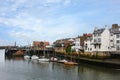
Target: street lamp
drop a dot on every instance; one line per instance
(62, 47)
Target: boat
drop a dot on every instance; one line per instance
(62, 61)
(53, 59)
(43, 60)
(26, 57)
(34, 57)
(70, 63)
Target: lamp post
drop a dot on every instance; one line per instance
(62, 47)
(53, 52)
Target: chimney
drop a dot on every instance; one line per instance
(115, 26)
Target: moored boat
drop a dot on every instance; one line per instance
(53, 59)
(26, 57)
(34, 57)
(70, 63)
(62, 61)
(43, 60)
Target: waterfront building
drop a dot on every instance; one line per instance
(61, 44)
(77, 45)
(40, 44)
(104, 40)
(115, 38)
(101, 39)
(87, 43)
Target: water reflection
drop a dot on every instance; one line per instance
(18, 68)
(88, 72)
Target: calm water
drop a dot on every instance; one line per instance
(20, 69)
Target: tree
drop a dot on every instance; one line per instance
(68, 49)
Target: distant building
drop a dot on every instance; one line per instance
(62, 44)
(40, 44)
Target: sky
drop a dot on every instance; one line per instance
(25, 21)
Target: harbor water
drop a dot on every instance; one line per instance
(19, 69)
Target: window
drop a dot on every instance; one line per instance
(99, 39)
(111, 34)
(95, 46)
(118, 41)
(90, 49)
(85, 46)
(99, 46)
(95, 40)
(111, 40)
(99, 34)
(118, 36)
(118, 47)
(95, 35)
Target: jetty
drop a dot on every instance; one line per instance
(21, 51)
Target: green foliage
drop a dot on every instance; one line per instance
(68, 49)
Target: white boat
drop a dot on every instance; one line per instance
(34, 57)
(62, 61)
(53, 59)
(43, 60)
(26, 57)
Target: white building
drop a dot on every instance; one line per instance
(115, 38)
(101, 39)
(104, 40)
(87, 43)
(76, 46)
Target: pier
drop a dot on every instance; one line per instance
(21, 51)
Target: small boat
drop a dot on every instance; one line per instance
(26, 57)
(70, 63)
(34, 57)
(43, 60)
(53, 59)
(62, 61)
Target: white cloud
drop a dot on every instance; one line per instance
(32, 28)
(67, 2)
(45, 19)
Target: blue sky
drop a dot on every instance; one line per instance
(25, 21)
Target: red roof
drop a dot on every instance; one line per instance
(89, 35)
(39, 42)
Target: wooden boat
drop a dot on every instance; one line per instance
(62, 61)
(70, 63)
